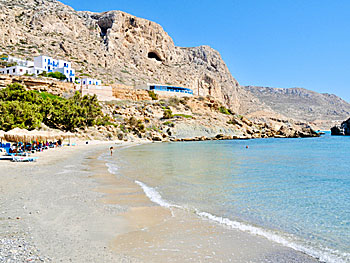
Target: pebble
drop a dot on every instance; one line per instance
(17, 249)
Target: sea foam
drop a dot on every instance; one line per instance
(324, 254)
(154, 196)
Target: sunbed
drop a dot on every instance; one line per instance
(24, 159)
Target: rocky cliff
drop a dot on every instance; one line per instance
(124, 50)
(114, 46)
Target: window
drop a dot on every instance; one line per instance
(8, 71)
(45, 59)
(14, 70)
(20, 70)
(84, 82)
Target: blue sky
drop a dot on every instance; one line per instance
(275, 43)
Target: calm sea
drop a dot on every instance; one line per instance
(293, 191)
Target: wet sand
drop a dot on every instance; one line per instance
(71, 209)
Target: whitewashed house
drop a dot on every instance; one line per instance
(50, 64)
(20, 62)
(40, 64)
(16, 70)
(89, 81)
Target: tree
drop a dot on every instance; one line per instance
(28, 109)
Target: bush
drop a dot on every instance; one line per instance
(223, 110)
(173, 101)
(28, 109)
(43, 74)
(169, 123)
(168, 114)
(57, 75)
(153, 95)
(184, 116)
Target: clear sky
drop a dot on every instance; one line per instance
(275, 43)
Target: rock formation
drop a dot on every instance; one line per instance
(318, 109)
(114, 46)
(125, 50)
(342, 129)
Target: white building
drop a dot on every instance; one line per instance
(50, 64)
(89, 81)
(40, 64)
(20, 62)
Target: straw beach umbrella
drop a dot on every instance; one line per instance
(2, 135)
(17, 135)
(69, 135)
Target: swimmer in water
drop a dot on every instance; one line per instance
(111, 149)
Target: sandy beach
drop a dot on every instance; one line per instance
(67, 207)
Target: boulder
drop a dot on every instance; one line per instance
(342, 129)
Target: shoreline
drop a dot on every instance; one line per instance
(75, 209)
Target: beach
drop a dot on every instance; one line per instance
(68, 207)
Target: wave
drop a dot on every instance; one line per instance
(154, 196)
(324, 254)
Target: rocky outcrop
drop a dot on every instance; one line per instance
(320, 110)
(40, 84)
(189, 119)
(130, 94)
(342, 129)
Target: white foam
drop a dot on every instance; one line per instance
(154, 196)
(324, 254)
(327, 255)
(112, 168)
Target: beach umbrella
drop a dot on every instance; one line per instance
(17, 135)
(2, 135)
(39, 135)
(69, 135)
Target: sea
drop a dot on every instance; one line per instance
(295, 192)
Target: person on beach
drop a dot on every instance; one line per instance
(111, 149)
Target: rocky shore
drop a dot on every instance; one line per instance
(187, 119)
(342, 129)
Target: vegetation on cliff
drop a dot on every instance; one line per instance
(29, 109)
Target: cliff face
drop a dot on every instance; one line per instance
(124, 50)
(114, 46)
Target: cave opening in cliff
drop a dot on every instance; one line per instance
(154, 55)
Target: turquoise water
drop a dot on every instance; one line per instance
(293, 191)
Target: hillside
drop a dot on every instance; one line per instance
(125, 50)
(299, 104)
(114, 46)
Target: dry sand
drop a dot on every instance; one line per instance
(67, 207)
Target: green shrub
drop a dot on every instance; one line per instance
(223, 110)
(43, 74)
(169, 123)
(184, 116)
(28, 109)
(168, 114)
(85, 74)
(57, 75)
(153, 95)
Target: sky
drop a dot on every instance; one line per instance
(274, 43)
